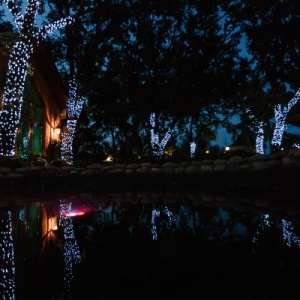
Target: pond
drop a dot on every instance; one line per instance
(145, 245)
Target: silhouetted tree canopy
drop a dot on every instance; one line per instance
(188, 61)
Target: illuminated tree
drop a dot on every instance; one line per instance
(74, 108)
(28, 38)
(259, 126)
(192, 149)
(281, 113)
(158, 146)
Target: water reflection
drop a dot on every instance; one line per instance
(51, 249)
(289, 237)
(264, 222)
(156, 213)
(7, 281)
(71, 252)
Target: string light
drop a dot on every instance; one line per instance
(74, 108)
(17, 67)
(71, 251)
(265, 222)
(158, 147)
(156, 214)
(192, 149)
(259, 125)
(296, 145)
(7, 269)
(289, 236)
(281, 113)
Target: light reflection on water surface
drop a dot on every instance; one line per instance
(120, 246)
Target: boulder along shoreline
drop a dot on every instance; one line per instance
(275, 177)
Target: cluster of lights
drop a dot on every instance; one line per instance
(66, 147)
(281, 113)
(259, 141)
(7, 269)
(288, 236)
(297, 145)
(71, 251)
(192, 149)
(157, 146)
(17, 70)
(265, 222)
(74, 108)
(156, 214)
(50, 28)
(12, 96)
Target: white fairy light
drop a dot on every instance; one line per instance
(192, 149)
(260, 135)
(259, 126)
(7, 269)
(17, 68)
(71, 252)
(296, 145)
(50, 28)
(265, 222)
(281, 113)
(152, 120)
(158, 147)
(156, 214)
(74, 108)
(289, 237)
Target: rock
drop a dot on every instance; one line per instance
(257, 157)
(235, 160)
(5, 170)
(220, 167)
(133, 166)
(220, 161)
(208, 167)
(291, 160)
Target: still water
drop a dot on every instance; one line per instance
(146, 246)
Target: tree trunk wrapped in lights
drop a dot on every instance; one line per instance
(192, 149)
(259, 125)
(74, 108)
(157, 146)
(281, 113)
(29, 37)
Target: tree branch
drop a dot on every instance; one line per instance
(17, 16)
(50, 28)
(30, 13)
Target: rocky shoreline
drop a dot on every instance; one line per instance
(275, 175)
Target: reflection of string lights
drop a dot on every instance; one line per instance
(265, 222)
(288, 236)
(71, 249)
(7, 258)
(156, 214)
